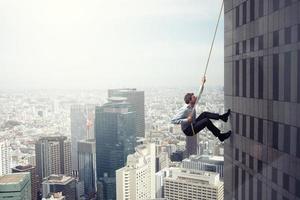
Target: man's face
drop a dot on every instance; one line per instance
(193, 100)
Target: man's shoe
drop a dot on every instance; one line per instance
(225, 116)
(224, 136)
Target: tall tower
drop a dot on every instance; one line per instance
(191, 145)
(137, 100)
(115, 140)
(262, 88)
(5, 157)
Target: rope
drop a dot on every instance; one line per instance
(207, 63)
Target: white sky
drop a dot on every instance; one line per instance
(97, 44)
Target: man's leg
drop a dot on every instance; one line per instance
(208, 115)
(201, 124)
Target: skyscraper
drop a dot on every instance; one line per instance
(137, 100)
(34, 180)
(53, 156)
(115, 140)
(191, 145)
(262, 88)
(15, 186)
(5, 157)
(87, 165)
(136, 180)
(82, 127)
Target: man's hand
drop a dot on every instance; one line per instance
(203, 80)
(190, 119)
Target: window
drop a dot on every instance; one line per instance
(287, 76)
(260, 77)
(244, 12)
(275, 5)
(298, 143)
(251, 78)
(251, 166)
(252, 40)
(259, 189)
(236, 181)
(237, 16)
(287, 2)
(259, 166)
(286, 181)
(252, 10)
(237, 125)
(237, 78)
(297, 186)
(244, 158)
(260, 42)
(298, 33)
(275, 135)
(260, 131)
(237, 50)
(237, 154)
(298, 75)
(243, 184)
(275, 76)
(244, 77)
(250, 186)
(261, 8)
(287, 139)
(274, 175)
(287, 35)
(274, 194)
(251, 128)
(244, 126)
(275, 38)
(244, 46)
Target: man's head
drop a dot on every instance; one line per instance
(190, 98)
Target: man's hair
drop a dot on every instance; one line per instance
(188, 97)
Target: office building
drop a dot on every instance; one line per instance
(5, 157)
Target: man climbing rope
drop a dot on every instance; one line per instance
(191, 125)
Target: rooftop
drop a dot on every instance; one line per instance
(12, 178)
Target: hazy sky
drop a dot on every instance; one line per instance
(94, 44)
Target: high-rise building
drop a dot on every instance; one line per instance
(33, 177)
(60, 183)
(5, 157)
(82, 127)
(205, 163)
(87, 165)
(137, 179)
(115, 140)
(53, 156)
(262, 88)
(15, 186)
(191, 146)
(183, 183)
(137, 99)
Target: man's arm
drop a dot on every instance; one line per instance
(179, 117)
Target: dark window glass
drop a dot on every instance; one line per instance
(252, 10)
(244, 158)
(244, 125)
(259, 189)
(237, 78)
(243, 184)
(251, 77)
(261, 42)
(260, 131)
(244, 77)
(261, 8)
(274, 175)
(237, 154)
(275, 5)
(236, 182)
(259, 166)
(287, 76)
(287, 139)
(237, 50)
(275, 135)
(287, 35)
(260, 77)
(252, 41)
(287, 2)
(237, 125)
(244, 12)
(274, 194)
(275, 77)
(275, 38)
(298, 74)
(285, 198)
(244, 46)
(298, 143)
(297, 186)
(237, 16)
(251, 166)
(286, 181)
(298, 33)
(252, 128)
(250, 187)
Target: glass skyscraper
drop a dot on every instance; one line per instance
(115, 133)
(262, 88)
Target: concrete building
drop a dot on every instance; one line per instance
(15, 186)
(262, 88)
(191, 146)
(60, 183)
(137, 179)
(185, 184)
(5, 157)
(33, 177)
(205, 163)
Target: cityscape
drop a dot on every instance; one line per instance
(131, 143)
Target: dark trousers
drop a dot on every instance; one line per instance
(202, 121)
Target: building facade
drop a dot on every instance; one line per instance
(5, 157)
(262, 88)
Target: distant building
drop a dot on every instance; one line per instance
(115, 139)
(136, 180)
(137, 100)
(192, 184)
(60, 183)
(55, 196)
(205, 163)
(87, 165)
(33, 177)
(191, 145)
(15, 186)
(177, 156)
(159, 182)
(5, 157)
